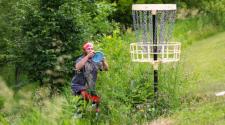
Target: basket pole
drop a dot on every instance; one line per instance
(155, 56)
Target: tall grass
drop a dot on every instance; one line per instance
(195, 28)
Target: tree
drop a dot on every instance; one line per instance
(5, 30)
(50, 34)
(50, 37)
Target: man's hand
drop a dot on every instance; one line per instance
(105, 64)
(80, 64)
(91, 54)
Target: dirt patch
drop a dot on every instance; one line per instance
(161, 121)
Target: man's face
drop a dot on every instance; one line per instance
(89, 49)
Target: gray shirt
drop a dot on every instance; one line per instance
(86, 76)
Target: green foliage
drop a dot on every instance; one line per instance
(126, 92)
(3, 121)
(202, 114)
(129, 84)
(91, 17)
(123, 7)
(6, 31)
(33, 117)
(204, 108)
(49, 38)
(50, 34)
(215, 9)
(1, 102)
(193, 29)
(3, 30)
(102, 26)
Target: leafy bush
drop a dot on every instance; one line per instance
(51, 33)
(3, 120)
(215, 9)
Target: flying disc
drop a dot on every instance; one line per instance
(98, 57)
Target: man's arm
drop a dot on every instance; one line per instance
(81, 63)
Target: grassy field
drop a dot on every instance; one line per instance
(207, 59)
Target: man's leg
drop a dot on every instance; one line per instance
(93, 98)
(85, 95)
(96, 100)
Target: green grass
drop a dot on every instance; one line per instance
(190, 30)
(210, 113)
(205, 58)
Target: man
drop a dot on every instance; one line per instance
(84, 81)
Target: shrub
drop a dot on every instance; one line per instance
(51, 33)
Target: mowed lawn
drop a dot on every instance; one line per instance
(205, 59)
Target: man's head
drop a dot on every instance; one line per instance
(88, 47)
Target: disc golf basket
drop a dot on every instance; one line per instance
(153, 25)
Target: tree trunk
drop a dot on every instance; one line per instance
(17, 74)
(41, 82)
